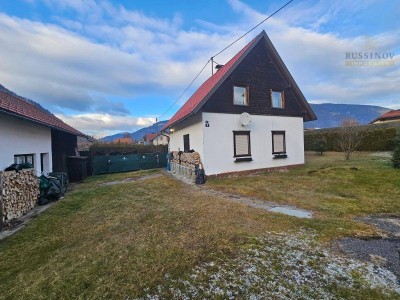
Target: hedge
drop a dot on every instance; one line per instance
(120, 148)
(377, 137)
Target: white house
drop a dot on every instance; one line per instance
(249, 115)
(155, 139)
(31, 134)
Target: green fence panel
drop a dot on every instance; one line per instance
(129, 162)
(123, 163)
(100, 165)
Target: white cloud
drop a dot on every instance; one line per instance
(108, 51)
(106, 123)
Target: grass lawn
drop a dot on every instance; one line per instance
(142, 237)
(336, 190)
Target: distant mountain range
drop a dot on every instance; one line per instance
(137, 135)
(328, 114)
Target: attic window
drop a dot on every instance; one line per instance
(277, 99)
(240, 95)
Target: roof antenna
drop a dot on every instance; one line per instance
(212, 65)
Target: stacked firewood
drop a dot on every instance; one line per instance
(186, 159)
(19, 193)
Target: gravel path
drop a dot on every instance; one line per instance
(383, 251)
(250, 201)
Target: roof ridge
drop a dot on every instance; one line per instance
(207, 86)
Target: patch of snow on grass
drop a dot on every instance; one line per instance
(278, 266)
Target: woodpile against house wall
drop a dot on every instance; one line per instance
(19, 193)
(189, 160)
(184, 164)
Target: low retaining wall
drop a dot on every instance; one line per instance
(19, 193)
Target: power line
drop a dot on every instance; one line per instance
(212, 57)
(270, 16)
(190, 84)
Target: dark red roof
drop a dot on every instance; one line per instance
(150, 136)
(207, 88)
(19, 107)
(393, 114)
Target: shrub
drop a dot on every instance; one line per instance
(320, 145)
(376, 137)
(120, 148)
(396, 152)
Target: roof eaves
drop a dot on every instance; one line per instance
(220, 81)
(228, 73)
(290, 77)
(16, 115)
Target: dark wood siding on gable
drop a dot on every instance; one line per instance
(260, 73)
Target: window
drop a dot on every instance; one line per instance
(241, 143)
(278, 142)
(186, 143)
(24, 158)
(240, 95)
(277, 99)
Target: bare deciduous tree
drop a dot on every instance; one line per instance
(349, 137)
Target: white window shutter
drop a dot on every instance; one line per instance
(279, 145)
(242, 144)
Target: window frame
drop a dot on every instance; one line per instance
(241, 132)
(247, 94)
(282, 98)
(25, 158)
(278, 132)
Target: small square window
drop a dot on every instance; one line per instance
(24, 158)
(240, 95)
(277, 99)
(278, 142)
(241, 143)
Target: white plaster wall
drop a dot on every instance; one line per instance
(192, 126)
(160, 140)
(18, 136)
(218, 142)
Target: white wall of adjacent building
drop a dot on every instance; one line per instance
(21, 137)
(160, 140)
(215, 142)
(192, 126)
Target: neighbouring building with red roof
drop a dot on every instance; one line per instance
(31, 134)
(123, 140)
(155, 139)
(390, 116)
(249, 115)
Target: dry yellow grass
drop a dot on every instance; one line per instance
(115, 241)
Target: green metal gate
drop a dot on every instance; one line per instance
(129, 162)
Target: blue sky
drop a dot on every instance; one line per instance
(108, 66)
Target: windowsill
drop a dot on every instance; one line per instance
(280, 156)
(242, 159)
